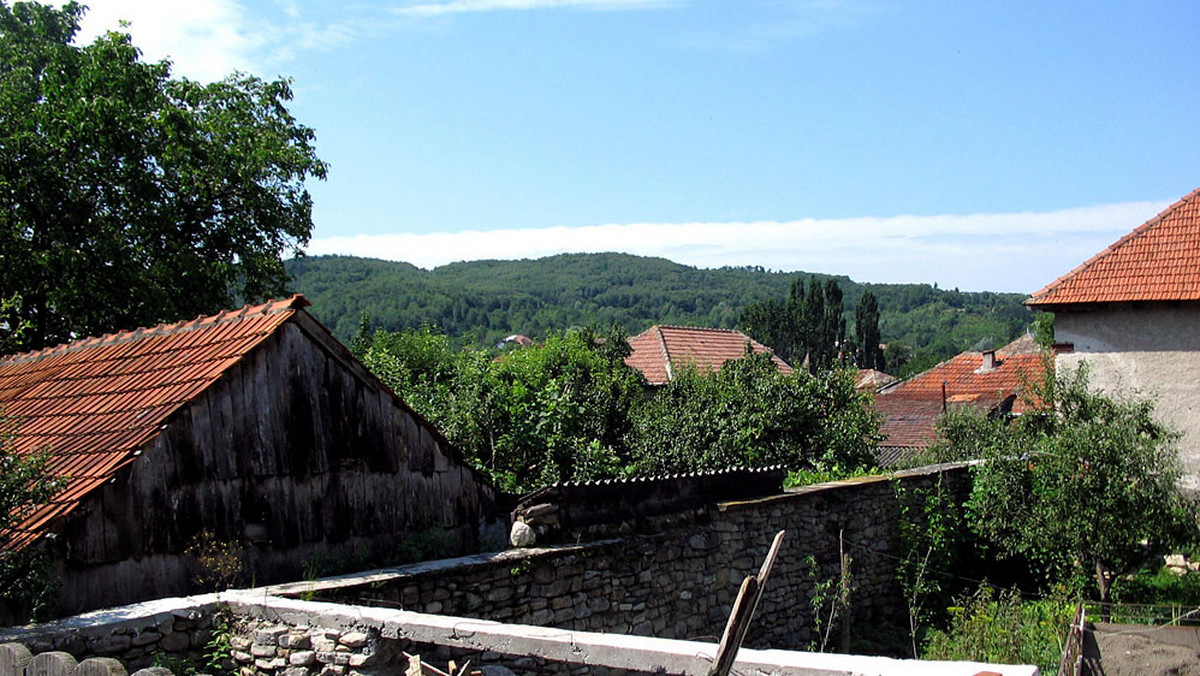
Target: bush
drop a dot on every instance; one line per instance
(1001, 628)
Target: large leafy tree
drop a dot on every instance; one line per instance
(129, 197)
(1085, 485)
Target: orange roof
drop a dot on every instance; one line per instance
(95, 402)
(659, 350)
(1160, 260)
(911, 407)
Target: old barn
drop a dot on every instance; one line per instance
(254, 425)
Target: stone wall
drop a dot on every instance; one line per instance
(680, 582)
(275, 636)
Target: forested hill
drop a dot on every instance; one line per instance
(481, 302)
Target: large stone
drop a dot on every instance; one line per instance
(522, 535)
(354, 639)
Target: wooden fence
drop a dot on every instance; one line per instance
(16, 660)
(1072, 658)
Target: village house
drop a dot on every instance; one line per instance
(255, 426)
(660, 351)
(1132, 313)
(991, 381)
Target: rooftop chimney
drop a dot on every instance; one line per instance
(989, 361)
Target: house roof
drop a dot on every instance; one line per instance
(1158, 261)
(871, 379)
(659, 350)
(95, 402)
(911, 407)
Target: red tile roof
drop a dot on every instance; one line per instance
(911, 407)
(660, 350)
(95, 402)
(1160, 260)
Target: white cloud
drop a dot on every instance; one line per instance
(465, 6)
(209, 39)
(995, 252)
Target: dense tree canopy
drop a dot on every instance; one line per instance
(128, 197)
(1084, 485)
(481, 302)
(571, 409)
(808, 326)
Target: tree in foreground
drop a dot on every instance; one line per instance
(571, 409)
(1084, 486)
(128, 197)
(26, 587)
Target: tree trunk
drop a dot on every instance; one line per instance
(1105, 584)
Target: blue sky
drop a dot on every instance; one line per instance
(988, 146)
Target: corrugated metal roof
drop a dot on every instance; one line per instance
(94, 402)
(1158, 261)
(660, 350)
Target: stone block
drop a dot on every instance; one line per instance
(271, 664)
(146, 638)
(302, 658)
(269, 636)
(111, 645)
(174, 642)
(259, 650)
(295, 640)
(241, 656)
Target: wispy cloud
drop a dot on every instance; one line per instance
(787, 21)
(997, 252)
(466, 6)
(208, 39)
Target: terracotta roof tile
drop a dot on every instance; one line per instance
(95, 401)
(660, 350)
(1158, 261)
(911, 407)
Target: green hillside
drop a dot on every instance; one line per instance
(481, 302)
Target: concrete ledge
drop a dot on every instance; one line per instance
(381, 575)
(586, 648)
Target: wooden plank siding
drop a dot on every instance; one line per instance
(299, 442)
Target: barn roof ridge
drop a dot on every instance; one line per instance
(294, 302)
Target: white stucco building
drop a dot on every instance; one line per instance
(1132, 312)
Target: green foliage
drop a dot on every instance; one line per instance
(571, 409)
(557, 411)
(1043, 329)
(868, 354)
(931, 535)
(1085, 486)
(819, 474)
(808, 325)
(1003, 629)
(116, 178)
(479, 303)
(830, 600)
(749, 414)
(27, 585)
(1158, 585)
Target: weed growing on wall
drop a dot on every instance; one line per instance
(830, 600)
(219, 562)
(930, 530)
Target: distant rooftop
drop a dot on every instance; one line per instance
(988, 380)
(660, 350)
